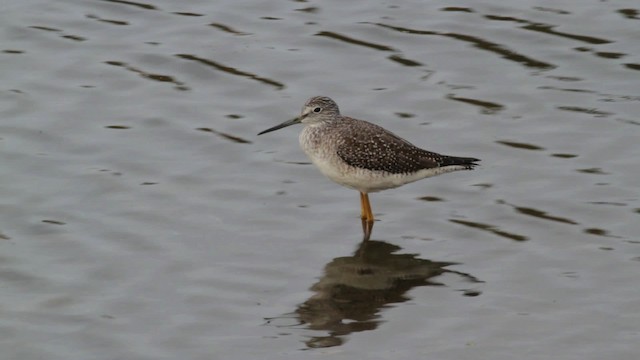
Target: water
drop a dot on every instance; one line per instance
(141, 217)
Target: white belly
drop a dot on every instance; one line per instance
(367, 181)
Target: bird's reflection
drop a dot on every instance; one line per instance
(349, 296)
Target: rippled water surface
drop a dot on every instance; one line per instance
(143, 219)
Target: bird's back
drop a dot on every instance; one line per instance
(372, 147)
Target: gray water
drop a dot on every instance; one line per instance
(141, 217)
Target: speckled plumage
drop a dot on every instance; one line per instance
(364, 156)
(367, 157)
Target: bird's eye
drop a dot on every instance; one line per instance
(317, 110)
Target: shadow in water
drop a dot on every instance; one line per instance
(354, 289)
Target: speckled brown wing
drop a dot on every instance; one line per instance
(372, 147)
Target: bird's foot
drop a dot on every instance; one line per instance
(367, 226)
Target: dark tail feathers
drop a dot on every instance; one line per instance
(468, 162)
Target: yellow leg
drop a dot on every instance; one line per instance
(367, 207)
(366, 215)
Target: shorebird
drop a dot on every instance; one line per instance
(364, 156)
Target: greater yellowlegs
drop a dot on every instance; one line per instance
(364, 156)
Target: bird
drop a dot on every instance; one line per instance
(363, 156)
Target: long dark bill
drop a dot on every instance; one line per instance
(283, 125)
